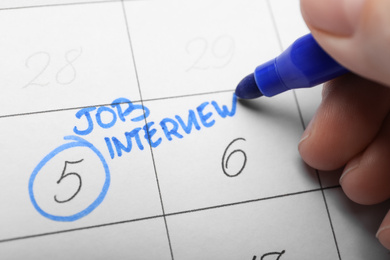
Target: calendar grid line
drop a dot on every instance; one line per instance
(109, 104)
(65, 4)
(170, 214)
(79, 229)
(304, 127)
(147, 131)
(56, 5)
(75, 81)
(299, 109)
(329, 217)
(251, 201)
(189, 95)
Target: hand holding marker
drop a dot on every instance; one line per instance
(304, 64)
(351, 128)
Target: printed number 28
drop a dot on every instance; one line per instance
(41, 61)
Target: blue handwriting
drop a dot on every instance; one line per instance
(152, 133)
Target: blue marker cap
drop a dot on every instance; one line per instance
(303, 65)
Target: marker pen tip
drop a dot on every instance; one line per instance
(247, 88)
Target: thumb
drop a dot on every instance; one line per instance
(356, 33)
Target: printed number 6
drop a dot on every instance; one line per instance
(225, 160)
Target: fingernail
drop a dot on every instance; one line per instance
(306, 133)
(351, 166)
(338, 17)
(303, 138)
(383, 234)
(381, 230)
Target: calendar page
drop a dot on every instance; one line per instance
(121, 137)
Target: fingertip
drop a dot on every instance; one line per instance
(365, 179)
(348, 119)
(354, 33)
(383, 233)
(350, 182)
(311, 148)
(335, 17)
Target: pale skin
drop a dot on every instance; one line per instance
(351, 127)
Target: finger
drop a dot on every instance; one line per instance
(353, 32)
(347, 120)
(384, 232)
(366, 178)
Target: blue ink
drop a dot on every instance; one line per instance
(304, 64)
(147, 129)
(121, 114)
(173, 131)
(99, 119)
(135, 133)
(225, 111)
(205, 117)
(131, 107)
(129, 135)
(79, 114)
(109, 146)
(169, 126)
(190, 122)
(117, 104)
(119, 146)
(145, 114)
(75, 142)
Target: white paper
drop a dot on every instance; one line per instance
(121, 137)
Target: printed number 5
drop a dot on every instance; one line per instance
(64, 175)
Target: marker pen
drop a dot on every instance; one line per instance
(303, 65)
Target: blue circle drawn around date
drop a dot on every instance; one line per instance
(77, 142)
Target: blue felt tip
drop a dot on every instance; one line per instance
(247, 88)
(303, 65)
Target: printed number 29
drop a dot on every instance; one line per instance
(65, 175)
(221, 51)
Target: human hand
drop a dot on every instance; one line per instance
(352, 125)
